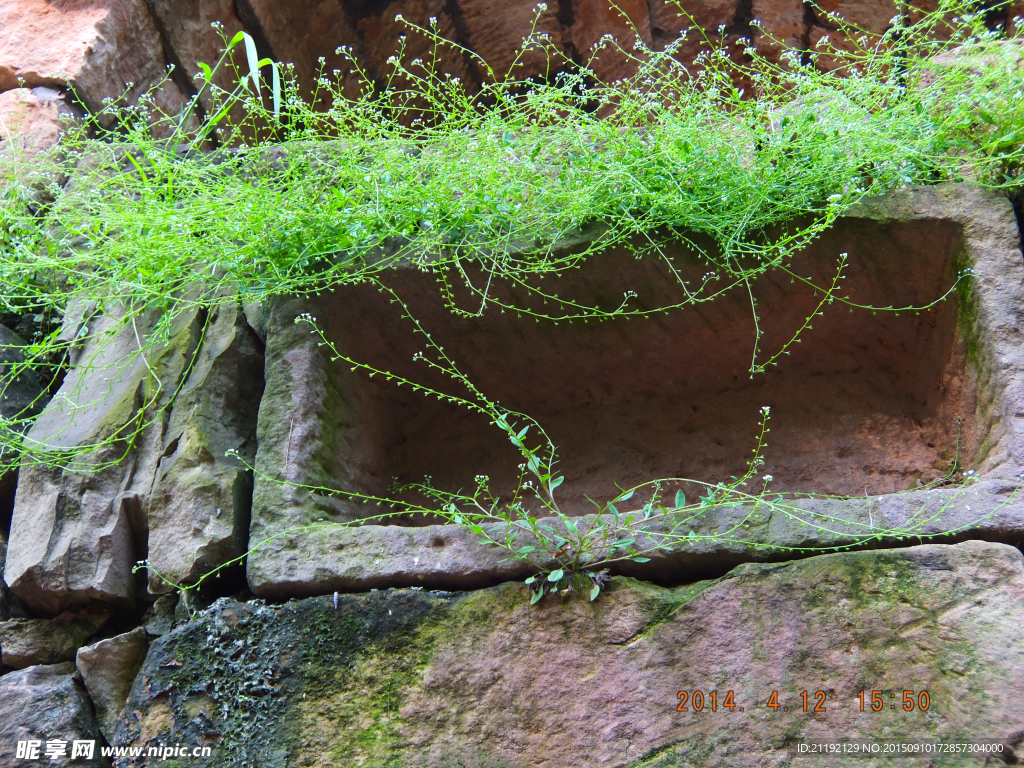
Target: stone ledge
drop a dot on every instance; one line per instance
(321, 426)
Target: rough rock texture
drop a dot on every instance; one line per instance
(108, 669)
(159, 617)
(851, 414)
(95, 48)
(185, 27)
(200, 503)
(45, 703)
(483, 679)
(26, 642)
(31, 119)
(75, 535)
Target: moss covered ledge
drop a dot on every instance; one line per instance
(409, 678)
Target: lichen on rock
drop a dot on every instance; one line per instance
(411, 678)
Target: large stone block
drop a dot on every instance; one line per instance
(44, 703)
(484, 679)
(496, 32)
(301, 33)
(27, 642)
(159, 480)
(95, 48)
(76, 531)
(108, 669)
(868, 404)
(186, 27)
(199, 506)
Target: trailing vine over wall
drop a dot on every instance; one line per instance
(142, 217)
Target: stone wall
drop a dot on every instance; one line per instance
(100, 48)
(352, 661)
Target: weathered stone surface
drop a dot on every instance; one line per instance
(200, 503)
(484, 679)
(312, 430)
(840, 424)
(185, 26)
(44, 703)
(496, 32)
(95, 48)
(158, 619)
(381, 30)
(75, 533)
(590, 20)
(302, 32)
(27, 642)
(108, 669)
(31, 118)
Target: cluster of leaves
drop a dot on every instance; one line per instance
(144, 215)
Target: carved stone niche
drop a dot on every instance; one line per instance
(865, 405)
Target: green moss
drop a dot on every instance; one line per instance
(968, 318)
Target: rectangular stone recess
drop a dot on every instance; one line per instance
(865, 403)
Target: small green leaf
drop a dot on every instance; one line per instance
(641, 559)
(622, 543)
(537, 596)
(557, 482)
(556, 575)
(526, 551)
(680, 499)
(594, 592)
(625, 496)
(276, 89)
(523, 432)
(530, 580)
(250, 54)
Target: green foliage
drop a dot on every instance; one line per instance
(147, 215)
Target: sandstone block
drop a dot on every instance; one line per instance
(95, 48)
(75, 532)
(484, 679)
(868, 406)
(108, 669)
(31, 118)
(185, 25)
(44, 703)
(27, 642)
(200, 503)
